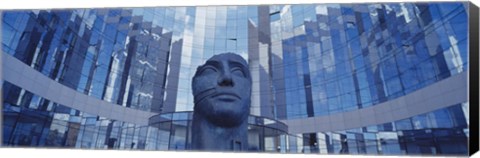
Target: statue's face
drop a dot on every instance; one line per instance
(221, 89)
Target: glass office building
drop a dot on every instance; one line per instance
(385, 79)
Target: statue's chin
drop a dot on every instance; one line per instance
(222, 113)
(226, 118)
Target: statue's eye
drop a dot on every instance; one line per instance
(238, 72)
(208, 70)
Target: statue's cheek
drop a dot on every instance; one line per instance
(244, 87)
(202, 83)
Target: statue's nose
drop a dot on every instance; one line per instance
(225, 80)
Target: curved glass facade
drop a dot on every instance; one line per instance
(306, 61)
(340, 58)
(32, 121)
(443, 132)
(41, 122)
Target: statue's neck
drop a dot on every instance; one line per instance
(210, 137)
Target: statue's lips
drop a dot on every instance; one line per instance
(226, 96)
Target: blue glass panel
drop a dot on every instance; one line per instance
(404, 124)
(446, 8)
(457, 116)
(8, 32)
(421, 122)
(459, 25)
(440, 119)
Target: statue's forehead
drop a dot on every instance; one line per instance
(230, 57)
